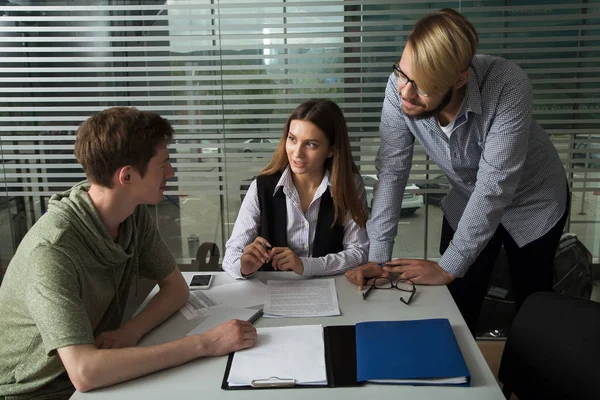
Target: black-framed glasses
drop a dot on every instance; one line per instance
(404, 285)
(405, 80)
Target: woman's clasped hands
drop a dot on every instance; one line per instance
(260, 252)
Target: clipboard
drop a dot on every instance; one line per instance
(340, 364)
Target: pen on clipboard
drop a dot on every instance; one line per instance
(256, 316)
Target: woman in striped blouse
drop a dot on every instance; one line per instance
(306, 211)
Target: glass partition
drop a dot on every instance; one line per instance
(226, 73)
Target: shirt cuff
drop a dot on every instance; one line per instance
(454, 263)
(234, 270)
(380, 252)
(312, 266)
(244, 276)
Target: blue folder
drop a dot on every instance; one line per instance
(415, 352)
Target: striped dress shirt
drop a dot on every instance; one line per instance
(301, 229)
(501, 165)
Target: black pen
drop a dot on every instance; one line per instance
(256, 316)
(267, 247)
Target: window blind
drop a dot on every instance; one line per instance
(227, 73)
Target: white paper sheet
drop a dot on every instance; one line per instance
(198, 304)
(303, 298)
(288, 352)
(219, 314)
(246, 293)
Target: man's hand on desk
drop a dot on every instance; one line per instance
(230, 336)
(362, 274)
(119, 338)
(419, 271)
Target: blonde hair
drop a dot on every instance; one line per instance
(326, 115)
(443, 45)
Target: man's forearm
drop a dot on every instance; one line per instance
(96, 368)
(90, 368)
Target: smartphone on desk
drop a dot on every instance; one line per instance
(202, 281)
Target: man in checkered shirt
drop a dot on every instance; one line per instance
(472, 115)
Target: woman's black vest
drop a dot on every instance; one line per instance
(273, 226)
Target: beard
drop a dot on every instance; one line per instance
(427, 114)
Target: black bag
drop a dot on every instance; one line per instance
(573, 268)
(572, 276)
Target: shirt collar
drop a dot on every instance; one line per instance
(285, 182)
(472, 101)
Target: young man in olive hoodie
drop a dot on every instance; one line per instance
(64, 293)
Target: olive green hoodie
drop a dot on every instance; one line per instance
(68, 282)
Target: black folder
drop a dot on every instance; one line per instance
(340, 362)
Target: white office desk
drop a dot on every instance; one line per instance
(201, 379)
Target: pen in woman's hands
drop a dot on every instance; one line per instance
(268, 248)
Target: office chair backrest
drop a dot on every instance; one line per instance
(553, 349)
(207, 257)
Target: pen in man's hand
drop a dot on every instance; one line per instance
(387, 264)
(256, 316)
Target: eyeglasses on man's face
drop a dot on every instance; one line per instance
(404, 285)
(405, 80)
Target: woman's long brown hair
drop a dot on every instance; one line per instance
(328, 117)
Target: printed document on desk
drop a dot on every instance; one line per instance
(293, 354)
(301, 298)
(198, 304)
(246, 293)
(240, 294)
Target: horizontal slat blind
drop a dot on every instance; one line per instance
(226, 73)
